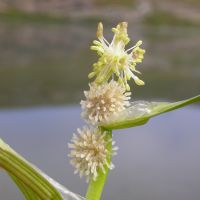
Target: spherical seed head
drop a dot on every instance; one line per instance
(102, 101)
(89, 153)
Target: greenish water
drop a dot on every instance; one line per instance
(48, 63)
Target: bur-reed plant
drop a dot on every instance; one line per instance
(107, 106)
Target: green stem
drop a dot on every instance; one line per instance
(95, 188)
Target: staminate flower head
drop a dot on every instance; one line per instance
(114, 59)
(104, 100)
(89, 152)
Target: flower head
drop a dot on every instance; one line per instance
(89, 152)
(104, 100)
(114, 59)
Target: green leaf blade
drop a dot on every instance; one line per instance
(32, 182)
(27, 192)
(140, 112)
(18, 167)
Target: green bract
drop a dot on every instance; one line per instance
(140, 112)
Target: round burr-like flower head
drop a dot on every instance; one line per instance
(102, 101)
(89, 152)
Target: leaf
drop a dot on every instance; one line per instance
(141, 111)
(28, 193)
(33, 183)
(65, 193)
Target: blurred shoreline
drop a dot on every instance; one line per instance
(45, 56)
(130, 10)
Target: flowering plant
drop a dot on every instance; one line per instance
(107, 106)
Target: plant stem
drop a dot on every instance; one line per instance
(95, 188)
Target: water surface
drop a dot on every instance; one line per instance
(159, 160)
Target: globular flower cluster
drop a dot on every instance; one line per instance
(104, 100)
(108, 95)
(89, 152)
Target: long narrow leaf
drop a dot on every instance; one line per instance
(27, 192)
(141, 111)
(33, 183)
(15, 165)
(65, 193)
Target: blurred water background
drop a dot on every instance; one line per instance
(44, 63)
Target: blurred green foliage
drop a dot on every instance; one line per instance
(158, 18)
(125, 3)
(21, 16)
(45, 59)
(191, 2)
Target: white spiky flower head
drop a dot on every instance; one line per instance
(89, 152)
(103, 101)
(114, 59)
